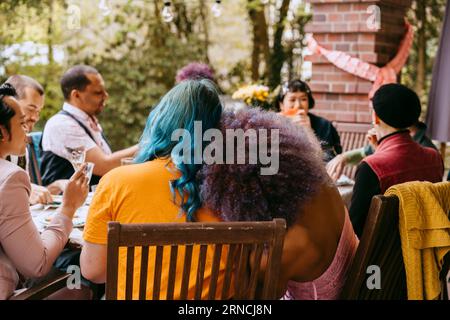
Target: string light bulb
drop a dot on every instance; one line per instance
(167, 12)
(216, 9)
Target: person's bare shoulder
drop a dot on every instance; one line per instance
(300, 254)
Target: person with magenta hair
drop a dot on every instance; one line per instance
(320, 243)
(195, 71)
(295, 100)
(161, 187)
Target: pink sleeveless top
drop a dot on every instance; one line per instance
(329, 285)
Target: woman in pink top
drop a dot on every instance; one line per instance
(320, 243)
(22, 249)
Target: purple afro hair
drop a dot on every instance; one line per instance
(238, 192)
(195, 71)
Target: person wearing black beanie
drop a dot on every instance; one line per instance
(397, 106)
(397, 158)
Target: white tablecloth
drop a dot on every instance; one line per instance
(41, 216)
(346, 194)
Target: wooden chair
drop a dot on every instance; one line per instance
(380, 246)
(34, 155)
(353, 136)
(246, 243)
(55, 282)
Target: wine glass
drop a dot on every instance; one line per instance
(89, 170)
(77, 156)
(126, 161)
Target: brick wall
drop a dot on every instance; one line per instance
(342, 25)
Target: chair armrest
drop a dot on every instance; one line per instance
(44, 289)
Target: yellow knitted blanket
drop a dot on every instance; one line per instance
(424, 227)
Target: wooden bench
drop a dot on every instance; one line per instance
(353, 136)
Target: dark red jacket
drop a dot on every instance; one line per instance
(399, 159)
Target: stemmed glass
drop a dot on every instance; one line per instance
(77, 156)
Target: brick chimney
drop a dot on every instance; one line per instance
(343, 25)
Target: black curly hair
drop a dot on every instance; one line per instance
(6, 111)
(238, 192)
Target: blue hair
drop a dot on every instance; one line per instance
(180, 108)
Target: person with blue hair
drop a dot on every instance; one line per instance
(161, 186)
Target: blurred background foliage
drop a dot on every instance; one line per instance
(138, 53)
(427, 18)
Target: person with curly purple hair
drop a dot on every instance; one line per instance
(320, 243)
(195, 71)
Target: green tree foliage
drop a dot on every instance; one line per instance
(33, 22)
(295, 44)
(427, 18)
(138, 61)
(136, 52)
(275, 39)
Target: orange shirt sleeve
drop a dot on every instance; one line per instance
(100, 213)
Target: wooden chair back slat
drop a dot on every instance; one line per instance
(258, 251)
(186, 272)
(112, 270)
(157, 273)
(242, 275)
(353, 136)
(215, 271)
(143, 275)
(130, 272)
(172, 272)
(229, 251)
(274, 260)
(228, 271)
(200, 272)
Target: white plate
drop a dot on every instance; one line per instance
(89, 198)
(79, 218)
(344, 181)
(57, 199)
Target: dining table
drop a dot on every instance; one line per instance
(43, 214)
(346, 192)
(345, 187)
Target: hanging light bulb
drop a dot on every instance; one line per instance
(167, 12)
(103, 6)
(216, 9)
